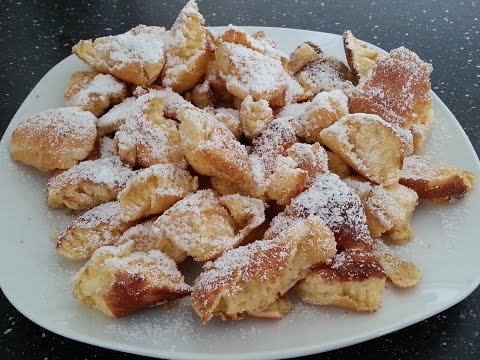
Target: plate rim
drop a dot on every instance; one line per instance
(260, 355)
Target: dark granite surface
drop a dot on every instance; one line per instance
(35, 35)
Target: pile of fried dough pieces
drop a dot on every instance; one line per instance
(275, 171)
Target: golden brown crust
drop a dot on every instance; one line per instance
(369, 145)
(202, 96)
(119, 281)
(393, 88)
(401, 273)
(338, 205)
(250, 278)
(88, 184)
(337, 166)
(351, 265)
(210, 148)
(303, 55)
(154, 190)
(441, 183)
(354, 280)
(325, 109)
(126, 56)
(360, 57)
(54, 139)
(94, 92)
(363, 295)
(188, 51)
(205, 225)
(97, 227)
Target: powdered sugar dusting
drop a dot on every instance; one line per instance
(256, 73)
(105, 214)
(324, 74)
(245, 260)
(153, 265)
(142, 44)
(65, 122)
(108, 171)
(102, 86)
(116, 116)
(278, 136)
(341, 209)
(199, 224)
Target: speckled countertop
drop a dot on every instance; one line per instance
(35, 35)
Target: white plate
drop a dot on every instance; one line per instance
(36, 280)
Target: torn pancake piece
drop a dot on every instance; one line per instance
(153, 190)
(370, 145)
(438, 182)
(354, 279)
(250, 278)
(136, 56)
(119, 281)
(98, 227)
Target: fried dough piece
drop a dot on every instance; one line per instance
(254, 117)
(325, 74)
(97, 227)
(210, 148)
(119, 281)
(294, 93)
(154, 190)
(389, 209)
(360, 57)
(172, 101)
(401, 273)
(205, 225)
(249, 278)
(438, 182)
(147, 237)
(258, 42)
(337, 166)
(228, 117)
(202, 96)
(248, 72)
(136, 56)
(292, 172)
(396, 89)
(274, 141)
(255, 187)
(276, 310)
(354, 279)
(147, 137)
(54, 139)
(368, 144)
(88, 184)
(303, 55)
(339, 206)
(104, 148)
(111, 121)
(187, 50)
(94, 92)
(286, 181)
(325, 109)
